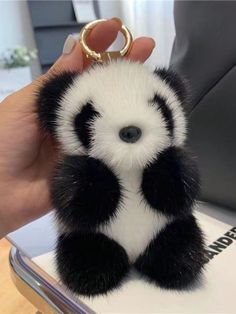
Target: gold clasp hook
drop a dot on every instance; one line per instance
(107, 55)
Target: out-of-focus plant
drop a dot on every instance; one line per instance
(17, 57)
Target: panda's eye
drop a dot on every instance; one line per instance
(160, 103)
(82, 123)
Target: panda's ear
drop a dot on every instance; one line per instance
(49, 97)
(175, 82)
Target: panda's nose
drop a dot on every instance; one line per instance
(130, 134)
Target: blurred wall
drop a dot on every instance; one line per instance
(154, 19)
(110, 8)
(150, 18)
(16, 28)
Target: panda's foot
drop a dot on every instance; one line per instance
(90, 263)
(175, 258)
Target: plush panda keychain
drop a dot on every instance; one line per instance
(124, 186)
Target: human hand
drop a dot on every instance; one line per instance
(27, 155)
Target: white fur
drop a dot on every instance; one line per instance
(135, 224)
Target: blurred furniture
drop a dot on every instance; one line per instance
(52, 22)
(204, 53)
(10, 299)
(36, 286)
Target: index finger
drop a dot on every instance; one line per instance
(102, 36)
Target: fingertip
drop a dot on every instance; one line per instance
(103, 35)
(118, 21)
(151, 41)
(145, 42)
(141, 49)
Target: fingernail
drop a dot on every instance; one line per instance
(117, 20)
(69, 45)
(154, 43)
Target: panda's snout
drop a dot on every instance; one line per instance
(130, 134)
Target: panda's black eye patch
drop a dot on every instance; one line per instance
(160, 103)
(82, 123)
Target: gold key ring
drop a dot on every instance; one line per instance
(107, 55)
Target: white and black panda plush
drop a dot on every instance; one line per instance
(124, 187)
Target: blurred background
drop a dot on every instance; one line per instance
(33, 32)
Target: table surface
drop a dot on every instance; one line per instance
(11, 301)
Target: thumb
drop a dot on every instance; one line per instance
(71, 58)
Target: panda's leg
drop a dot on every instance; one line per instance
(175, 258)
(90, 263)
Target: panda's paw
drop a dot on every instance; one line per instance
(90, 263)
(171, 184)
(175, 259)
(85, 192)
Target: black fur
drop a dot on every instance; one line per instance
(49, 98)
(82, 121)
(85, 192)
(90, 263)
(176, 257)
(171, 183)
(165, 111)
(174, 81)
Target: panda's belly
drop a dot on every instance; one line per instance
(135, 223)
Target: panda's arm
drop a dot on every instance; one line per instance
(49, 97)
(171, 183)
(85, 192)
